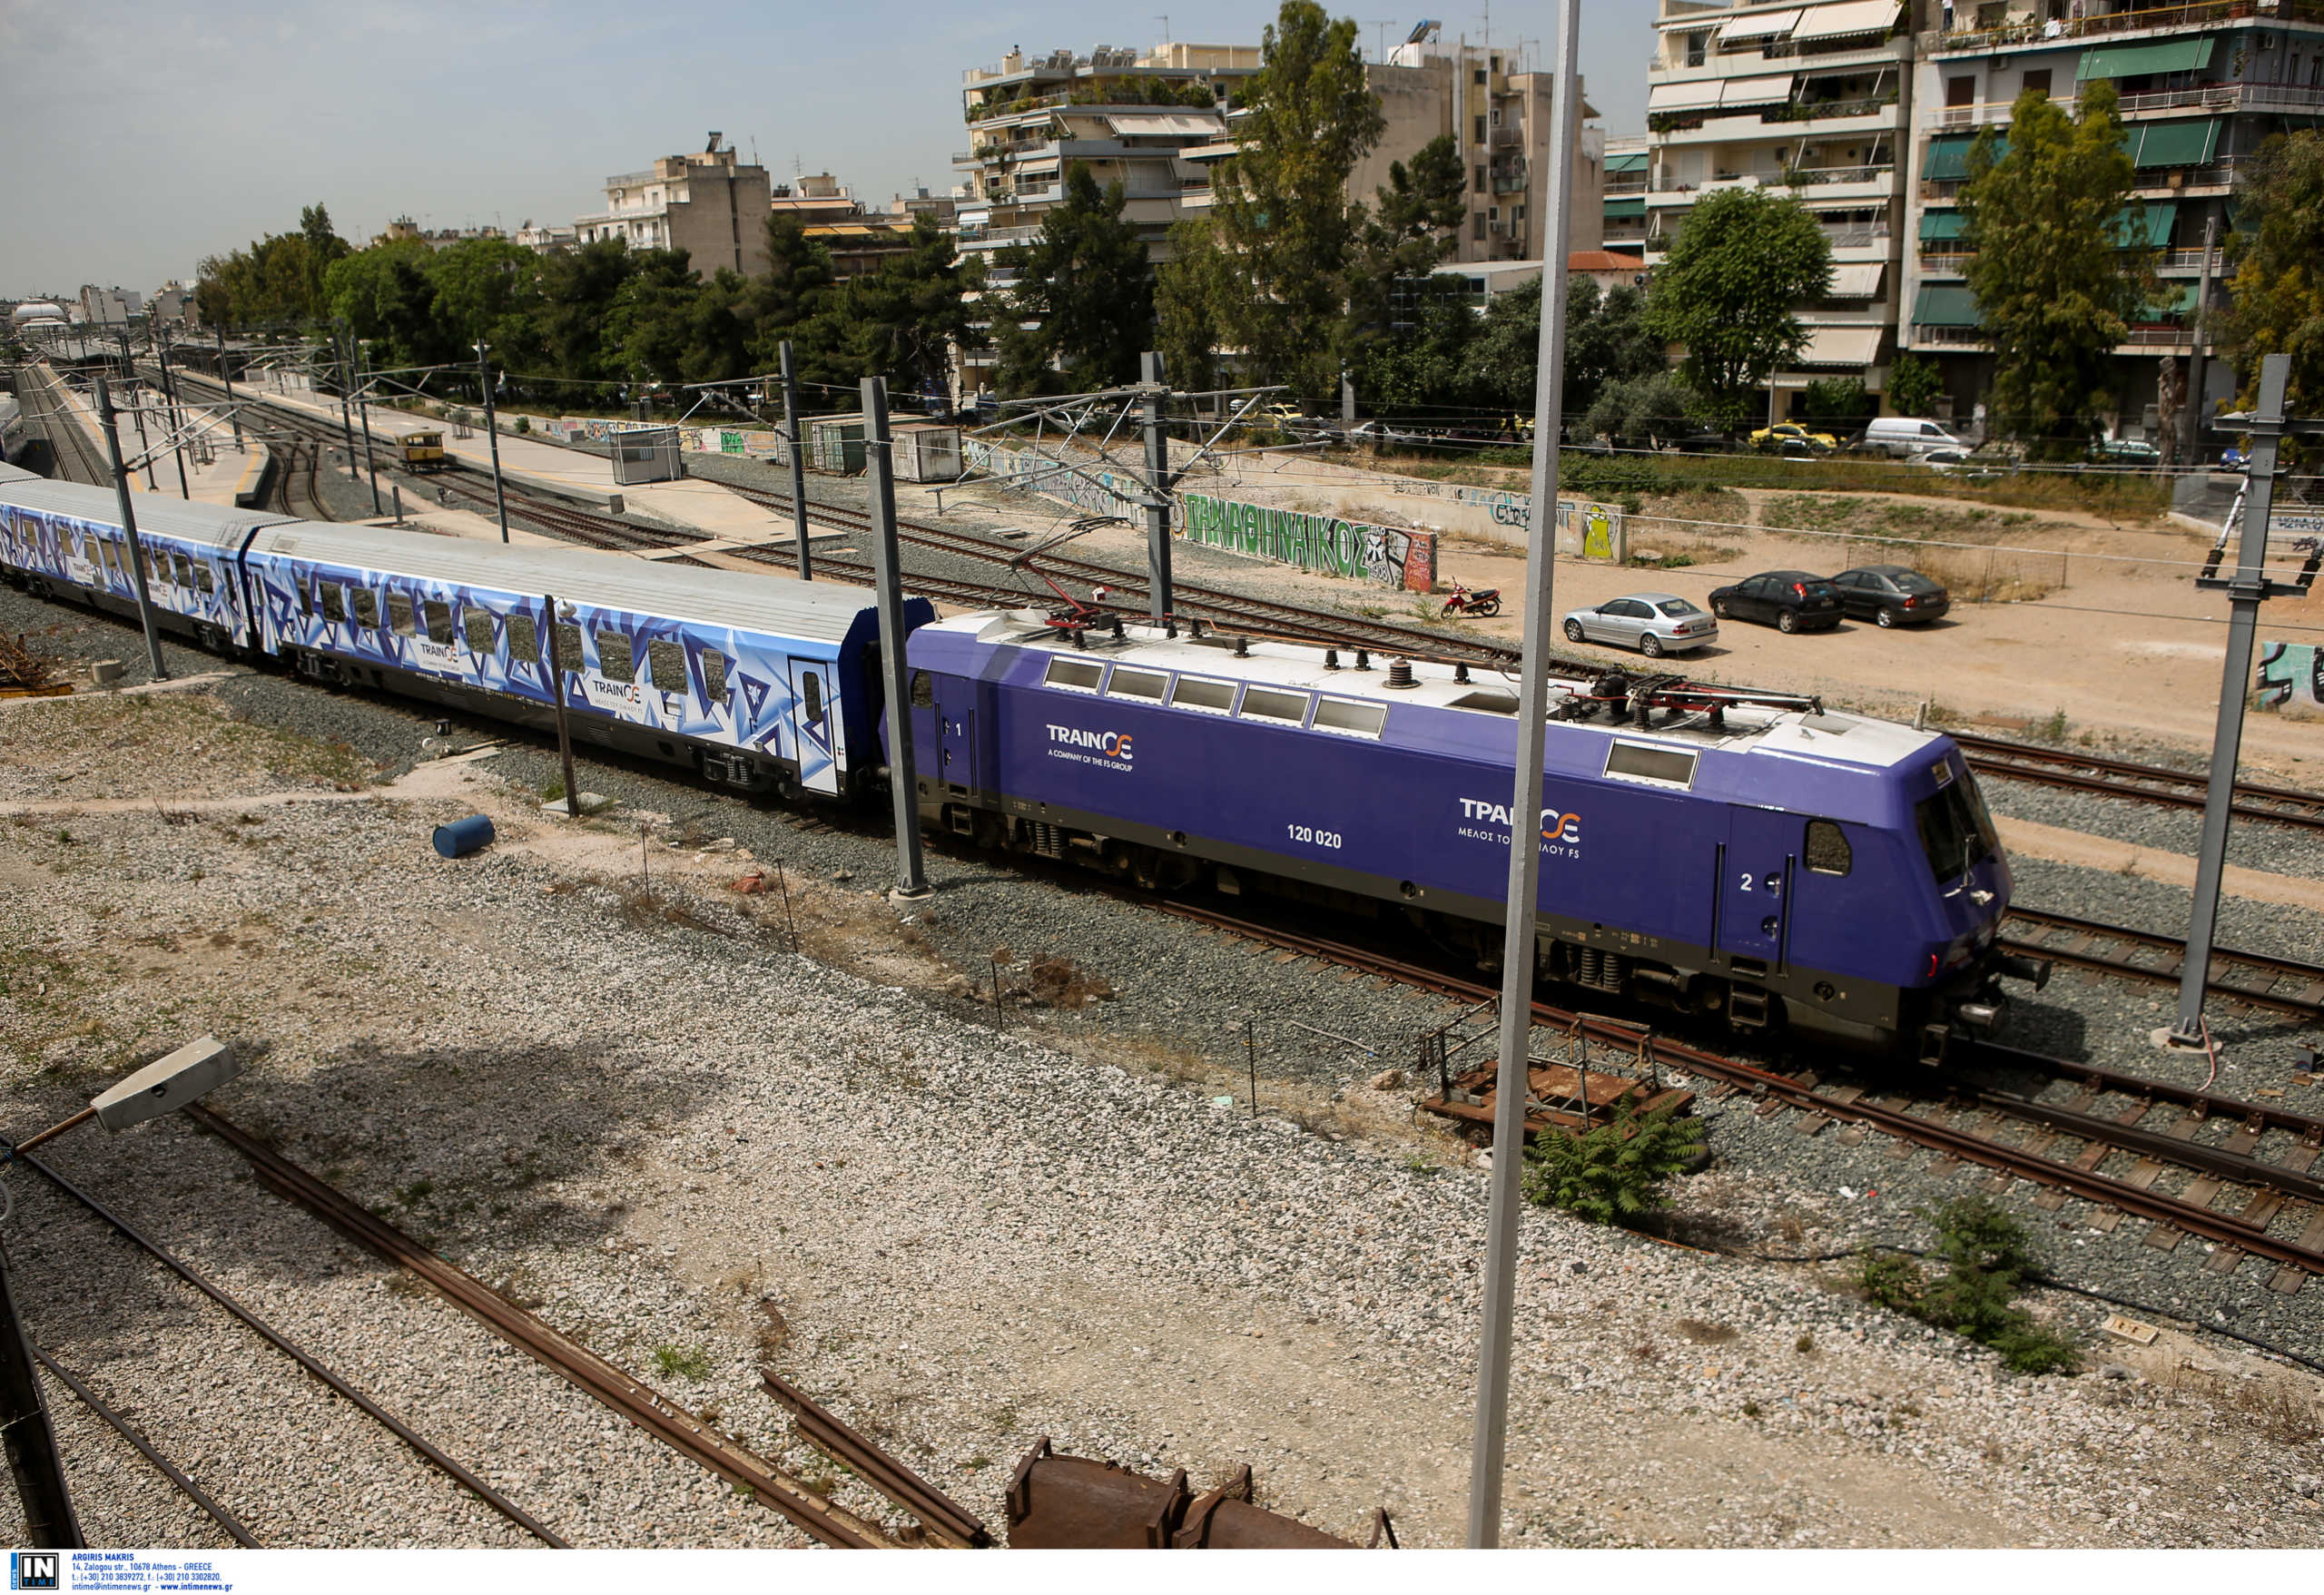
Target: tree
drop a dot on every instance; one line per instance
(279, 278)
(1427, 362)
(1743, 260)
(1086, 291)
(572, 321)
(1838, 401)
(325, 248)
(2278, 246)
(1606, 341)
(903, 318)
(2055, 285)
(1645, 410)
(1411, 230)
(1280, 215)
(1914, 384)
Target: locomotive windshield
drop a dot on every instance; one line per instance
(1957, 832)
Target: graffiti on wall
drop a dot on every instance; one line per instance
(2288, 673)
(1386, 554)
(1586, 529)
(1019, 470)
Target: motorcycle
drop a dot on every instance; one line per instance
(1483, 602)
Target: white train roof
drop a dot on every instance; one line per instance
(771, 604)
(216, 525)
(1832, 737)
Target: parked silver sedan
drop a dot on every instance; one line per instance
(1655, 624)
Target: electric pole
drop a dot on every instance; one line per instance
(492, 432)
(886, 571)
(129, 531)
(346, 383)
(798, 460)
(1158, 490)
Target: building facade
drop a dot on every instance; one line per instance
(2199, 88)
(713, 205)
(109, 307)
(1813, 101)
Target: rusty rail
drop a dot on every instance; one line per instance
(581, 1368)
(946, 1520)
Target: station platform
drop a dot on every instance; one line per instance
(217, 469)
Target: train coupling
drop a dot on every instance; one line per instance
(2018, 967)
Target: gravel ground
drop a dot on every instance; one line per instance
(2278, 850)
(845, 1139)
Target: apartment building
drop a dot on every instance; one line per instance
(1622, 214)
(1810, 100)
(713, 205)
(2199, 87)
(1132, 117)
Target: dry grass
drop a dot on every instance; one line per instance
(1841, 516)
(2282, 1406)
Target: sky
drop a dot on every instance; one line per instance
(145, 136)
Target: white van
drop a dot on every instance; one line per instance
(1902, 437)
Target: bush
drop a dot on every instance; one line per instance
(1987, 1260)
(1914, 384)
(1612, 1173)
(1841, 402)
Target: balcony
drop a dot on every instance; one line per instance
(2222, 99)
(2208, 13)
(2191, 260)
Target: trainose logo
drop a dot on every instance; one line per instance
(1555, 827)
(1112, 744)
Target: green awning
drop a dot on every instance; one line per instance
(2178, 299)
(1634, 206)
(1945, 304)
(2150, 230)
(1948, 156)
(2173, 143)
(1628, 161)
(2143, 60)
(1936, 225)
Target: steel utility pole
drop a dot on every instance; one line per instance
(226, 376)
(492, 432)
(556, 697)
(345, 384)
(888, 580)
(176, 418)
(2245, 590)
(29, 1438)
(1157, 489)
(2191, 441)
(1518, 957)
(363, 406)
(128, 530)
(798, 459)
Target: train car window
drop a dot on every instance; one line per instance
(334, 601)
(1215, 697)
(1080, 675)
(1350, 719)
(616, 661)
(923, 690)
(569, 647)
(667, 663)
(1956, 834)
(524, 640)
(478, 622)
(366, 607)
(183, 569)
(1630, 761)
(811, 693)
(1136, 683)
(108, 557)
(439, 616)
(401, 620)
(1267, 703)
(714, 676)
(203, 580)
(1828, 850)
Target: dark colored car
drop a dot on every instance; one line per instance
(1890, 594)
(1789, 600)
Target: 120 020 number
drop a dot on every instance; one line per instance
(1308, 834)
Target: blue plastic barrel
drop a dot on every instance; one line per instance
(463, 837)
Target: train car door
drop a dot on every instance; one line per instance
(1754, 888)
(814, 725)
(956, 727)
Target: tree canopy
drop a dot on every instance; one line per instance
(278, 279)
(2047, 213)
(1743, 260)
(2278, 247)
(1082, 307)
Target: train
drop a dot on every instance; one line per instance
(1750, 859)
(423, 452)
(14, 435)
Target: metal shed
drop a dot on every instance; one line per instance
(927, 451)
(835, 444)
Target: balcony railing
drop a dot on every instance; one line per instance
(2207, 14)
(2224, 98)
(1963, 337)
(1624, 185)
(1815, 176)
(2162, 181)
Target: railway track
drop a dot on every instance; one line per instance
(2150, 784)
(460, 1475)
(944, 1520)
(2065, 1149)
(74, 451)
(2280, 985)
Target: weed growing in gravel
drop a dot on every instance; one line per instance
(1612, 1173)
(2053, 729)
(691, 1362)
(1988, 1259)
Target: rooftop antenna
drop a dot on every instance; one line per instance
(1165, 20)
(1380, 23)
